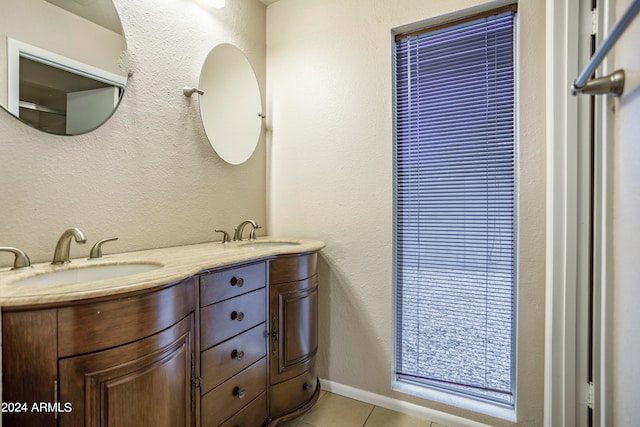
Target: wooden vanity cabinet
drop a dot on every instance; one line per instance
(231, 346)
(293, 317)
(233, 343)
(277, 338)
(126, 361)
(29, 366)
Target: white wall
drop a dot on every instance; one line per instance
(329, 98)
(625, 211)
(148, 175)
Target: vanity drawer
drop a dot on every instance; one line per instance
(231, 317)
(221, 285)
(289, 395)
(232, 356)
(229, 397)
(291, 268)
(252, 415)
(95, 326)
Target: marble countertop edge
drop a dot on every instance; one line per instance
(177, 263)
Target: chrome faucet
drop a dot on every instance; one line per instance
(96, 250)
(225, 235)
(21, 260)
(61, 254)
(237, 236)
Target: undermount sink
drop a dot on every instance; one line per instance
(268, 243)
(86, 274)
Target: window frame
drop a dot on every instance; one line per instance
(439, 394)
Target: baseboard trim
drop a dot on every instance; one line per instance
(398, 405)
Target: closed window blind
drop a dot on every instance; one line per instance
(455, 207)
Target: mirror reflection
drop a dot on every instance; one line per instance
(231, 106)
(59, 67)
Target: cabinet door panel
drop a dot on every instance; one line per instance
(27, 337)
(120, 386)
(294, 327)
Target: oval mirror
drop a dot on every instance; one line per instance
(231, 106)
(59, 67)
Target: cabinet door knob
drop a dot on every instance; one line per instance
(237, 354)
(239, 392)
(237, 281)
(237, 315)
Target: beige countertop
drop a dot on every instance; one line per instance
(177, 263)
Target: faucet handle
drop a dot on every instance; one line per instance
(252, 233)
(96, 250)
(225, 235)
(21, 260)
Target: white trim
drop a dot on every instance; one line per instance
(398, 405)
(565, 387)
(561, 252)
(603, 339)
(458, 400)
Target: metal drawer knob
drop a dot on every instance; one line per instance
(240, 393)
(237, 315)
(237, 354)
(307, 387)
(237, 281)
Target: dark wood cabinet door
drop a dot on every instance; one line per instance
(144, 383)
(29, 368)
(293, 328)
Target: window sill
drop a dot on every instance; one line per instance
(496, 410)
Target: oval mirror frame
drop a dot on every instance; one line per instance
(231, 106)
(59, 63)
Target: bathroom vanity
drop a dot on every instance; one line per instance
(230, 341)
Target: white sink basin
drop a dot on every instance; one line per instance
(268, 243)
(86, 274)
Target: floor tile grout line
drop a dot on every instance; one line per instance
(369, 416)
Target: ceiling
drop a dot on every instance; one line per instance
(101, 12)
(268, 2)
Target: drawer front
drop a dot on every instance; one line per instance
(95, 326)
(232, 356)
(225, 284)
(229, 397)
(252, 415)
(290, 268)
(292, 394)
(228, 318)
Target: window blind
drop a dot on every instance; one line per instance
(455, 207)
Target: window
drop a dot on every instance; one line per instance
(455, 202)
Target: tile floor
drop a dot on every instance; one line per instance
(333, 410)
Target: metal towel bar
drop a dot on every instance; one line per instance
(613, 84)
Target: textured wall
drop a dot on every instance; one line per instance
(330, 102)
(149, 175)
